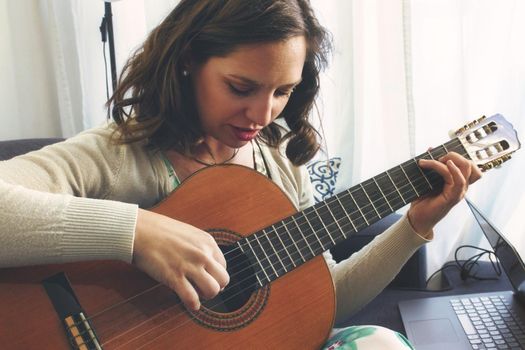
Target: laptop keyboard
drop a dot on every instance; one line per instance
(490, 322)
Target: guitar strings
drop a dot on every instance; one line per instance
(174, 317)
(234, 250)
(230, 252)
(271, 255)
(233, 296)
(154, 287)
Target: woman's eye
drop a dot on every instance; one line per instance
(281, 93)
(240, 91)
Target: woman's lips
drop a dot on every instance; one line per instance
(245, 134)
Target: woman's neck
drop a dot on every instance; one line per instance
(211, 152)
(185, 166)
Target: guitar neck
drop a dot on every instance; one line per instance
(289, 243)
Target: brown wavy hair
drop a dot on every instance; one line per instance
(154, 102)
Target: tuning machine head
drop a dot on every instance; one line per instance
(496, 163)
(469, 125)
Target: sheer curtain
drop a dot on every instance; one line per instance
(403, 74)
(468, 61)
(52, 65)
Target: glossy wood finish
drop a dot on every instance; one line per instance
(299, 312)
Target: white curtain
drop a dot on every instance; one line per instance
(52, 64)
(28, 100)
(403, 74)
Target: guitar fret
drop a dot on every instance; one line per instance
(350, 207)
(397, 189)
(438, 152)
(386, 199)
(410, 182)
(323, 224)
(291, 246)
(335, 220)
(256, 257)
(256, 273)
(346, 213)
(380, 202)
(284, 246)
(265, 234)
(291, 238)
(301, 232)
(423, 174)
(266, 255)
(329, 214)
(430, 154)
(319, 225)
(367, 196)
(351, 196)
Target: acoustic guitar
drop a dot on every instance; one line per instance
(281, 295)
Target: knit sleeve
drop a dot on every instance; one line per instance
(45, 213)
(43, 228)
(362, 276)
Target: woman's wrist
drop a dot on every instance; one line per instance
(422, 230)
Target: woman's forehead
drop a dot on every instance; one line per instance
(275, 62)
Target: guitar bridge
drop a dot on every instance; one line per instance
(81, 335)
(77, 327)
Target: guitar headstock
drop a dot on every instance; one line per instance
(489, 141)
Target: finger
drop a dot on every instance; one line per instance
(206, 285)
(214, 250)
(470, 170)
(460, 183)
(219, 257)
(461, 162)
(476, 174)
(438, 167)
(187, 293)
(219, 273)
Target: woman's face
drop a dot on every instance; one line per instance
(241, 93)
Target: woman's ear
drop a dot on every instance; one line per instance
(186, 64)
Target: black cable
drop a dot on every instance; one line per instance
(465, 268)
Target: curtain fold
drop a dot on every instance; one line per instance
(28, 98)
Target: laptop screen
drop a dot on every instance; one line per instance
(506, 253)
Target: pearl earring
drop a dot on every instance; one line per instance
(185, 73)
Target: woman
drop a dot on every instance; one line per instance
(212, 84)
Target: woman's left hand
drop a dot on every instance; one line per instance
(458, 173)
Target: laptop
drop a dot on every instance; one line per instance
(492, 320)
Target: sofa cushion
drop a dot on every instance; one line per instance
(12, 148)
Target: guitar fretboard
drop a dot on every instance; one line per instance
(285, 245)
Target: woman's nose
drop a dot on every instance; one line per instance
(260, 110)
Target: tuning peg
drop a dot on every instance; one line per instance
(496, 163)
(469, 125)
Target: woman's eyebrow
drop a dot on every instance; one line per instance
(257, 84)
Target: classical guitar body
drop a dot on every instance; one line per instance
(124, 309)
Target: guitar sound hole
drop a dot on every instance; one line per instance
(242, 282)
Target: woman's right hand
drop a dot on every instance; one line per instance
(181, 256)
